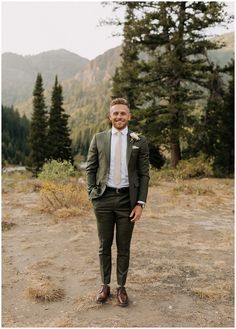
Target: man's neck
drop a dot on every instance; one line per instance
(123, 130)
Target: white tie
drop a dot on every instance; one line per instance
(117, 169)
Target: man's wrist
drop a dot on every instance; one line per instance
(141, 204)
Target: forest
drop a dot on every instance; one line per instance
(15, 132)
(180, 99)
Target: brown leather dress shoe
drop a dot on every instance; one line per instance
(122, 297)
(103, 294)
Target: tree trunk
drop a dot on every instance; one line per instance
(175, 153)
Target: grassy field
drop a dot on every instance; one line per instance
(182, 257)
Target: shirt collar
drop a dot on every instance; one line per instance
(123, 131)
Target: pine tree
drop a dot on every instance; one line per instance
(126, 80)
(214, 135)
(214, 109)
(127, 74)
(38, 128)
(15, 131)
(175, 69)
(224, 144)
(59, 142)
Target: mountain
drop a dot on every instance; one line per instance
(81, 88)
(101, 68)
(19, 72)
(86, 96)
(86, 84)
(223, 55)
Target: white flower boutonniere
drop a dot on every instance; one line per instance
(134, 137)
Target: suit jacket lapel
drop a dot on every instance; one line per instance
(129, 147)
(107, 145)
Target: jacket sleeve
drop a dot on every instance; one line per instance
(92, 165)
(143, 171)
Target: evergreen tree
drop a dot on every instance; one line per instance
(174, 68)
(214, 135)
(126, 80)
(127, 74)
(224, 144)
(59, 142)
(38, 128)
(15, 131)
(213, 112)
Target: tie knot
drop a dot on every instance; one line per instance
(118, 134)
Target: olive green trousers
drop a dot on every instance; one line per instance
(112, 211)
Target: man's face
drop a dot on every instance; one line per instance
(119, 116)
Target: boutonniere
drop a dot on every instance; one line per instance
(134, 137)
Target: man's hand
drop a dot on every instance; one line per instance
(136, 213)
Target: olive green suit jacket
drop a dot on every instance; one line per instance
(98, 165)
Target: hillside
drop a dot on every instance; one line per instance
(100, 69)
(19, 72)
(86, 96)
(223, 55)
(86, 84)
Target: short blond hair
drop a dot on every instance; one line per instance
(119, 101)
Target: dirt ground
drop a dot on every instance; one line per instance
(181, 270)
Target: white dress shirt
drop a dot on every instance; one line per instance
(124, 170)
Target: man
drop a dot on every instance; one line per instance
(117, 179)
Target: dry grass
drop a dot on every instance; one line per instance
(62, 323)
(164, 272)
(41, 264)
(193, 188)
(43, 289)
(64, 213)
(17, 175)
(6, 226)
(17, 182)
(222, 290)
(85, 303)
(186, 256)
(37, 185)
(188, 278)
(228, 237)
(64, 199)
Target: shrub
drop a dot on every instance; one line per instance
(156, 175)
(43, 289)
(61, 192)
(192, 168)
(55, 170)
(57, 196)
(188, 188)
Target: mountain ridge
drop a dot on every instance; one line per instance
(87, 91)
(19, 72)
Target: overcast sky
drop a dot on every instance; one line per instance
(29, 28)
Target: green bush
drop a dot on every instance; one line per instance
(54, 170)
(194, 168)
(186, 169)
(166, 174)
